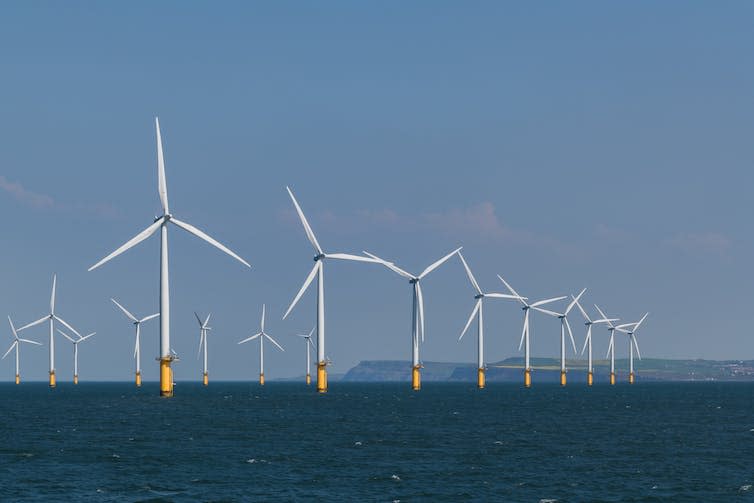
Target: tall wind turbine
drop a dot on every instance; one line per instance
(630, 329)
(75, 352)
(563, 317)
(203, 329)
(16, 343)
(51, 318)
(417, 317)
(261, 335)
(166, 358)
(588, 341)
(137, 347)
(611, 347)
(478, 311)
(309, 344)
(525, 333)
(319, 271)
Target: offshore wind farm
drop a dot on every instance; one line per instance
(485, 252)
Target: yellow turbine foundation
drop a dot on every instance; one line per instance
(205, 379)
(416, 378)
(631, 378)
(308, 379)
(562, 378)
(612, 378)
(322, 377)
(166, 377)
(18, 379)
(527, 378)
(480, 378)
(138, 379)
(589, 378)
(52, 378)
(261, 379)
(75, 379)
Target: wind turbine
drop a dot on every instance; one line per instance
(166, 358)
(203, 329)
(261, 336)
(478, 312)
(309, 344)
(631, 344)
(417, 316)
(611, 347)
(16, 343)
(525, 333)
(563, 317)
(51, 318)
(588, 341)
(318, 270)
(137, 347)
(75, 352)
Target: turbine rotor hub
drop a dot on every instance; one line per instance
(319, 257)
(480, 296)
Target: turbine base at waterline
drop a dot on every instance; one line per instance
(75, 379)
(589, 378)
(308, 379)
(527, 378)
(138, 379)
(205, 379)
(166, 376)
(322, 377)
(480, 382)
(18, 379)
(416, 379)
(53, 382)
(631, 378)
(612, 378)
(563, 378)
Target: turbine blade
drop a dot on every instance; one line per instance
(471, 318)
(570, 334)
(305, 223)
(66, 335)
(34, 323)
(420, 299)
(503, 296)
(574, 301)
(586, 340)
(13, 328)
(547, 311)
(583, 313)
(636, 345)
(198, 319)
(274, 342)
(306, 284)
(547, 301)
(262, 324)
(523, 332)
(250, 338)
(30, 341)
(438, 263)
(86, 337)
(13, 345)
(510, 288)
(472, 279)
(390, 266)
(602, 314)
(200, 234)
(206, 321)
(125, 311)
(640, 322)
(348, 256)
(162, 186)
(52, 295)
(69, 327)
(155, 315)
(609, 347)
(131, 243)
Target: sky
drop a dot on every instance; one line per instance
(593, 144)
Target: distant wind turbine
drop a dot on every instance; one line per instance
(166, 357)
(525, 333)
(309, 344)
(51, 318)
(137, 346)
(417, 316)
(630, 329)
(15, 345)
(588, 341)
(563, 317)
(75, 352)
(319, 271)
(203, 329)
(261, 335)
(478, 311)
(611, 347)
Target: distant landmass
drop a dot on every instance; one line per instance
(548, 370)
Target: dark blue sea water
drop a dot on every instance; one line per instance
(377, 442)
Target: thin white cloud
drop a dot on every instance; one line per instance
(704, 242)
(25, 196)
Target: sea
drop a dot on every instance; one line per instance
(235, 441)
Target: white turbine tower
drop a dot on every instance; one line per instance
(261, 335)
(51, 318)
(161, 223)
(478, 311)
(309, 344)
(203, 329)
(525, 333)
(417, 316)
(318, 270)
(75, 352)
(137, 346)
(631, 344)
(16, 343)
(588, 341)
(611, 347)
(564, 325)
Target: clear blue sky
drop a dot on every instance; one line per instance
(584, 144)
